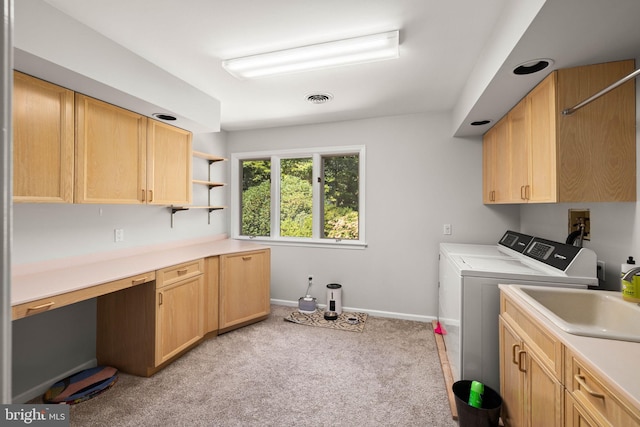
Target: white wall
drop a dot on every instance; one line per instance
(49, 231)
(418, 178)
(615, 227)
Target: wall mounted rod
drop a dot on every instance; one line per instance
(623, 80)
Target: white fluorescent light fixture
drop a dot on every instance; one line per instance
(375, 47)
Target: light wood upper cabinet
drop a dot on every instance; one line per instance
(496, 163)
(111, 153)
(42, 141)
(125, 158)
(588, 156)
(169, 164)
(541, 143)
(518, 141)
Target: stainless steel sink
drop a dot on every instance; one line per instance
(601, 314)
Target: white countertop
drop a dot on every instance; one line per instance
(34, 281)
(616, 360)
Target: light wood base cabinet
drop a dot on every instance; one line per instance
(143, 327)
(593, 398)
(532, 395)
(244, 288)
(543, 383)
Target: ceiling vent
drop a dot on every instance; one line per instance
(162, 116)
(319, 98)
(533, 66)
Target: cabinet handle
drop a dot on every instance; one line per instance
(493, 195)
(139, 280)
(527, 192)
(144, 195)
(521, 353)
(514, 358)
(246, 258)
(150, 196)
(583, 384)
(182, 271)
(41, 306)
(523, 193)
(160, 298)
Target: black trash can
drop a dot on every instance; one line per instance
(469, 416)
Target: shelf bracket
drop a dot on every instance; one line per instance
(175, 209)
(211, 209)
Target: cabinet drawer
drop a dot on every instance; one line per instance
(57, 301)
(547, 348)
(170, 275)
(596, 397)
(575, 415)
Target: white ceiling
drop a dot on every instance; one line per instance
(445, 46)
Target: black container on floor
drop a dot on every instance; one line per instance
(469, 416)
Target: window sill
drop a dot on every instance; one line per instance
(313, 243)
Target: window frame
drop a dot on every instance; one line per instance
(316, 154)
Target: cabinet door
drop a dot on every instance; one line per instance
(488, 166)
(179, 318)
(511, 377)
(496, 163)
(542, 142)
(110, 153)
(169, 179)
(518, 138)
(244, 288)
(211, 293)
(43, 141)
(543, 394)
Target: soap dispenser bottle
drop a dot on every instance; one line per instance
(630, 281)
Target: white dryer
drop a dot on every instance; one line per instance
(469, 298)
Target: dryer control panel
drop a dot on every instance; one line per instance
(572, 260)
(516, 241)
(555, 254)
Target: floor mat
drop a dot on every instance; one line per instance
(344, 321)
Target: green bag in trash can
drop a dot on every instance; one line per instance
(468, 416)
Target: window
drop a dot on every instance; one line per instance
(312, 196)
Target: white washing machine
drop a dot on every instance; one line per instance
(469, 299)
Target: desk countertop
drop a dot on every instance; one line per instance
(31, 282)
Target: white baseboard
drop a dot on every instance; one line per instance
(40, 389)
(375, 313)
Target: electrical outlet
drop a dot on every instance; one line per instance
(310, 276)
(118, 235)
(601, 270)
(446, 229)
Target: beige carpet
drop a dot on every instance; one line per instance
(277, 373)
(353, 322)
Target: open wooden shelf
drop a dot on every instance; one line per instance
(208, 156)
(211, 184)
